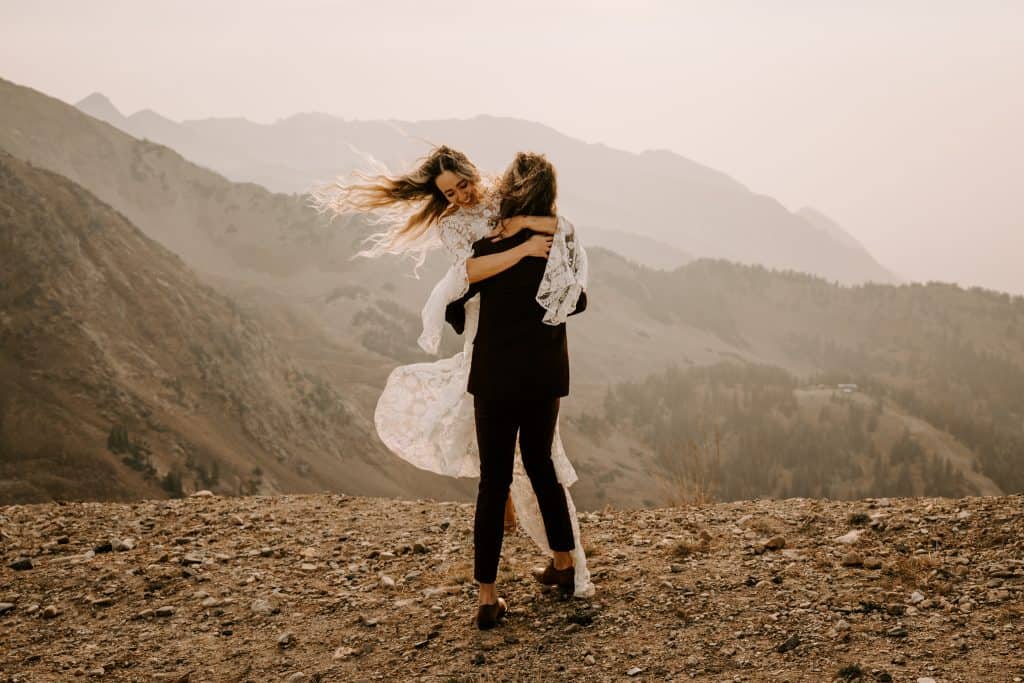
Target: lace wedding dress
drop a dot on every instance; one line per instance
(425, 415)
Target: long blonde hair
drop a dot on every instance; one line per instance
(405, 206)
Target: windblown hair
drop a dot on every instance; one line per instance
(529, 187)
(405, 205)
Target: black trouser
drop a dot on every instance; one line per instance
(497, 423)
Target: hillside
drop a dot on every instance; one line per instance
(950, 357)
(125, 376)
(657, 194)
(732, 432)
(336, 588)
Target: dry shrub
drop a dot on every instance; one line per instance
(914, 569)
(693, 476)
(688, 547)
(765, 525)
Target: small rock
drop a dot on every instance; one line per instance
(583, 617)
(191, 559)
(850, 537)
(387, 582)
(791, 643)
(286, 640)
(297, 677)
(343, 652)
(123, 544)
(420, 548)
(925, 679)
(202, 494)
(165, 611)
(479, 659)
(264, 607)
(6, 607)
(210, 602)
(872, 562)
(102, 602)
(916, 597)
(633, 671)
(853, 559)
(589, 660)
(50, 611)
(21, 564)
(675, 568)
(775, 543)
(103, 548)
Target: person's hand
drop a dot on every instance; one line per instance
(507, 227)
(538, 245)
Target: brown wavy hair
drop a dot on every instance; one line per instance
(392, 197)
(529, 187)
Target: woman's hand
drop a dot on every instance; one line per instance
(510, 226)
(538, 245)
(507, 227)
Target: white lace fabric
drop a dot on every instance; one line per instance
(425, 415)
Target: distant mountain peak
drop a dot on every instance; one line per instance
(99, 106)
(149, 113)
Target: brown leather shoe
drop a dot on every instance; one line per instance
(563, 578)
(489, 616)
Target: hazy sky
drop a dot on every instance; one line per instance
(904, 121)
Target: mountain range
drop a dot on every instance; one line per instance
(330, 327)
(657, 208)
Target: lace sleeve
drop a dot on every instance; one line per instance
(565, 276)
(457, 235)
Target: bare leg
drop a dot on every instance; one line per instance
(510, 516)
(488, 593)
(562, 559)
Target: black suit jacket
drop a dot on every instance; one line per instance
(515, 354)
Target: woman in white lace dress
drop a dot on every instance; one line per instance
(425, 415)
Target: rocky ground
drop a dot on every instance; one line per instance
(336, 588)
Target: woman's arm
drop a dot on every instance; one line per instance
(482, 267)
(565, 276)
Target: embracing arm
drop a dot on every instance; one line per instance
(482, 267)
(565, 277)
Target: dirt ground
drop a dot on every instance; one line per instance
(336, 588)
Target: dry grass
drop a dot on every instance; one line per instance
(688, 547)
(694, 475)
(915, 569)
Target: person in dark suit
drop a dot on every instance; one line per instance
(518, 374)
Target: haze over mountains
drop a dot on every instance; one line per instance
(939, 362)
(691, 209)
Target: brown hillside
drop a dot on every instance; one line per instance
(123, 373)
